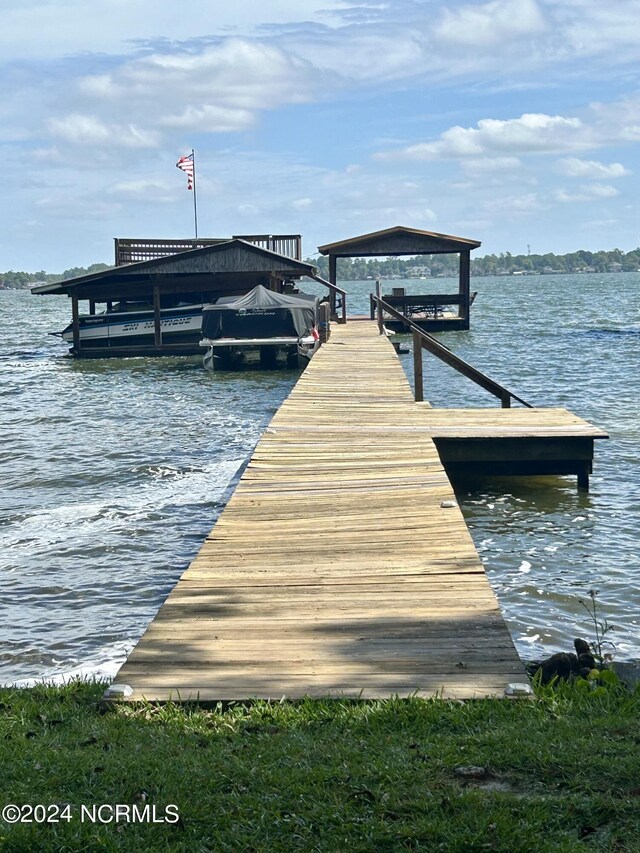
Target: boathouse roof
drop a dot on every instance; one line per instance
(233, 259)
(399, 240)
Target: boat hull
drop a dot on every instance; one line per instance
(137, 328)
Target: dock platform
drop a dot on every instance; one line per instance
(499, 442)
(341, 565)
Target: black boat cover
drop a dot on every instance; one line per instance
(261, 313)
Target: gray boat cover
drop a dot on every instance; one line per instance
(261, 313)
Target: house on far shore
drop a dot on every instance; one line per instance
(419, 272)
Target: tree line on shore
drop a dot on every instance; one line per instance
(358, 269)
(23, 280)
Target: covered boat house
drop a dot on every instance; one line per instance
(156, 283)
(431, 311)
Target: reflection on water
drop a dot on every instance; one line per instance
(113, 471)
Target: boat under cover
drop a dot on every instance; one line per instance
(272, 327)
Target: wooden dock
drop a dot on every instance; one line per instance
(341, 565)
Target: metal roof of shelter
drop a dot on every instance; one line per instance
(399, 240)
(231, 257)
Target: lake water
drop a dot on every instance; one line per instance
(113, 472)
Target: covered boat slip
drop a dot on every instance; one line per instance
(341, 565)
(167, 286)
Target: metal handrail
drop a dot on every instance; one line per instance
(423, 340)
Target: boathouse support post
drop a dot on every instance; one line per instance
(157, 327)
(324, 329)
(75, 321)
(418, 380)
(464, 286)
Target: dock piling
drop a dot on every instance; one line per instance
(417, 368)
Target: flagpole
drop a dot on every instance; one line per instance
(195, 201)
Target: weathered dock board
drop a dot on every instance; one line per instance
(341, 564)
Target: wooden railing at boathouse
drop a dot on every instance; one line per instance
(131, 251)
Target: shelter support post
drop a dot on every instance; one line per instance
(75, 320)
(418, 380)
(464, 286)
(157, 328)
(333, 280)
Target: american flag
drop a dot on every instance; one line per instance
(186, 164)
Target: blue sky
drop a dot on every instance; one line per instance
(513, 122)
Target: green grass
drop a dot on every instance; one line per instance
(562, 773)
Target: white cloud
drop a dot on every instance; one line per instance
(491, 164)
(69, 205)
(576, 168)
(146, 191)
(490, 24)
(236, 71)
(210, 89)
(48, 28)
(524, 204)
(362, 54)
(592, 28)
(618, 121)
(211, 119)
(89, 130)
(532, 132)
(588, 192)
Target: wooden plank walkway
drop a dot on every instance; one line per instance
(337, 567)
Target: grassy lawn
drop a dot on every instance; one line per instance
(558, 774)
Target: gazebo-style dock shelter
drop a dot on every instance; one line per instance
(153, 277)
(432, 311)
